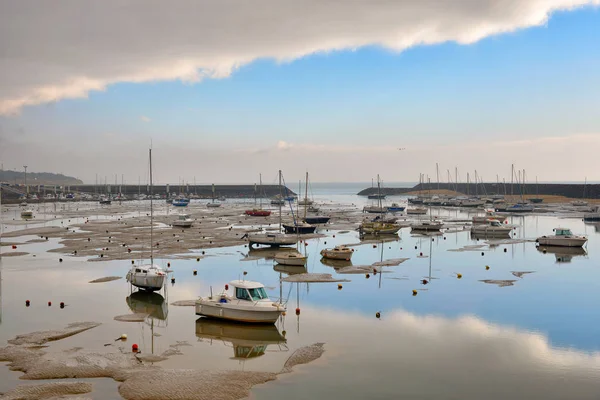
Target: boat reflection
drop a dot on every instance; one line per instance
(247, 341)
(152, 304)
(563, 254)
(267, 253)
(380, 238)
(336, 263)
(290, 269)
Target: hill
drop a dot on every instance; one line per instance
(37, 178)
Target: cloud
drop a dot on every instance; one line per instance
(145, 119)
(67, 49)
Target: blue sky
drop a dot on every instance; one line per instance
(534, 83)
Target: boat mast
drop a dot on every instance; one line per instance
(306, 195)
(512, 176)
(151, 212)
(437, 171)
(281, 197)
(260, 186)
(378, 192)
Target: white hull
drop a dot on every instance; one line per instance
(183, 224)
(337, 255)
(231, 312)
(491, 230)
(484, 219)
(213, 205)
(290, 259)
(273, 240)
(561, 241)
(27, 213)
(150, 283)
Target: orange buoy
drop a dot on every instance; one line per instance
(367, 276)
(133, 261)
(414, 292)
(377, 314)
(339, 286)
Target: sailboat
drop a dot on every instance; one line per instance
(301, 226)
(272, 239)
(149, 277)
(378, 226)
(213, 204)
(156, 308)
(581, 202)
(427, 226)
(258, 212)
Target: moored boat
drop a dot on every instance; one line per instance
(183, 221)
(427, 226)
(416, 211)
(593, 216)
(375, 209)
(293, 258)
(272, 239)
(257, 213)
(491, 227)
(317, 219)
(27, 213)
(395, 207)
(562, 237)
(241, 301)
(338, 253)
(489, 214)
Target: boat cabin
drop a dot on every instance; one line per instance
(249, 291)
(493, 222)
(563, 232)
(183, 217)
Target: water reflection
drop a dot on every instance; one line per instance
(152, 304)
(336, 263)
(290, 269)
(563, 254)
(267, 253)
(247, 341)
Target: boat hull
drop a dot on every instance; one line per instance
(336, 255)
(491, 231)
(317, 220)
(222, 311)
(148, 283)
(183, 224)
(273, 241)
(257, 213)
(396, 209)
(594, 217)
(301, 229)
(291, 261)
(561, 242)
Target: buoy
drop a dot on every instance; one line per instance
(157, 244)
(482, 253)
(14, 246)
(27, 303)
(444, 237)
(421, 254)
(284, 314)
(424, 281)
(297, 311)
(123, 336)
(544, 251)
(339, 286)
(198, 259)
(367, 276)
(415, 247)
(49, 303)
(432, 239)
(414, 292)
(74, 251)
(487, 267)
(133, 261)
(195, 272)
(459, 276)
(129, 250)
(333, 235)
(60, 260)
(378, 314)
(203, 252)
(245, 273)
(283, 332)
(134, 348)
(62, 304)
(505, 250)
(325, 242)
(101, 255)
(172, 280)
(226, 287)
(374, 246)
(169, 264)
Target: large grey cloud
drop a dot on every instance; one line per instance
(51, 50)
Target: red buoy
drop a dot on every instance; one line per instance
(14, 246)
(49, 303)
(27, 303)
(226, 287)
(134, 348)
(62, 305)
(297, 311)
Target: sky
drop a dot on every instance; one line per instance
(225, 90)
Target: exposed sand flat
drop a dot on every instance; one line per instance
(499, 282)
(136, 317)
(312, 277)
(47, 391)
(14, 254)
(520, 274)
(184, 303)
(359, 269)
(303, 355)
(392, 262)
(42, 337)
(105, 279)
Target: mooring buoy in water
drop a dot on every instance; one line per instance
(297, 311)
(367, 276)
(377, 314)
(487, 267)
(62, 304)
(195, 272)
(134, 348)
(414, 292)
(27, 303)
(339, 286)
(49, 303)
(459, 276)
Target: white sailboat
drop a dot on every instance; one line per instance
(149, 277)
(213, 204)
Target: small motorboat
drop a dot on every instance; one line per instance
(520, 208)
(271, 239)
(427, 226)
(292, 258)
(562, 237)
(299, 227)
(257, 213)
(395, 207)
(316, 219)
(416, 211)
(489, 214)
(338, 253)
(179, 203)
(105, 200)
(277, 202)
(23, 204)
(579, 203)
(28, 213)
(147, 277)
(241, 301)
(183, 221)
(213, 205)
(415, 200)
(379, 228)
(491, 227)
(375, 209)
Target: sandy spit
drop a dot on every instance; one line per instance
(184, 303)
(136, 317)
(389, 263)
(105, 279)
(47, 391)
(312, 277)
(520, 274)
(42, 337)
(15, 254)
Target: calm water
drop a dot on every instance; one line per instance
(456, 339)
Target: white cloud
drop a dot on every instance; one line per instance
(145, 119)
(66, 49)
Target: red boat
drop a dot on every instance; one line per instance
(258, 213)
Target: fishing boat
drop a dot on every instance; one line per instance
(489, 214)
(183, 221)
(247, 341)
(28, 213)
(241, 301)
(258, 212)
(293, 258)
(395, 207)
(378, 228)
(149, 277)
(213, 203)
(427, 226)
(491, 227)
(593, 216)
(338, 253)
(562, 237)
